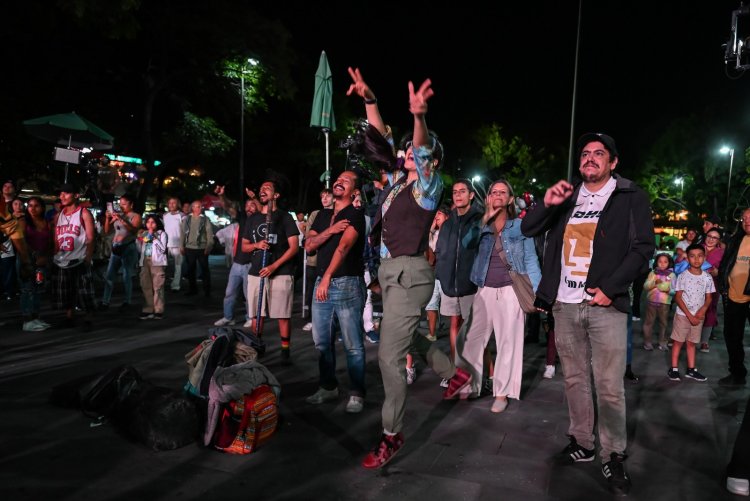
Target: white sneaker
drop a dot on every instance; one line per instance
(43, 323)
(224, 321)
(323, 395)
(307, 327)
(248, 324)
(549, 372)
(33, 326)
(444, 383)
(411, 375)
(740, 486)
(355, 405)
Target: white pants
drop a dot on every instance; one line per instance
(498, 311)
(175, 253)
(367, 312)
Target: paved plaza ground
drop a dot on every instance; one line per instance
(680, 434)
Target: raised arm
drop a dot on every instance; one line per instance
(360, 88)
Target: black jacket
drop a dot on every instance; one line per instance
(727, 263)
(455, 252)
(623, 245)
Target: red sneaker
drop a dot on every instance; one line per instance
(384, 452)
(459, 381)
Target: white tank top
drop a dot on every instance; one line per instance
(70, 237)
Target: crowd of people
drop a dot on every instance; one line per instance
(579, 258)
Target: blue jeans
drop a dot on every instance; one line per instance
(346, 301)
(126, 264)
(237, 278)
(593, 339)
(31, 294)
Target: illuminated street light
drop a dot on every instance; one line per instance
(724, 150)
(681, 182)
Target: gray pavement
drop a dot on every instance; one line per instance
(680, 433)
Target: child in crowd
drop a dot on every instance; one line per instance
(153, 261)
(693, 297)
(659, 288)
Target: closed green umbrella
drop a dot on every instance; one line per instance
(322, 106)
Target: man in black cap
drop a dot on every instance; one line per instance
(600, 238)
(712, 221)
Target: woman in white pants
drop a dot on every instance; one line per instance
(502, 247)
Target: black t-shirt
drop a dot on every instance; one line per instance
(241, 257)
(282, 227)
(352, 265)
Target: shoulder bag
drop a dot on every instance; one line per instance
(521, 283)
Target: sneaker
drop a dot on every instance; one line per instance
(411, 375)
(694, 374)
(307, 327)
(458, 382)
(704, 348)
(636, 319)
(730, 380)
(648, 346)
(248, 323)
(146, 315)
(43, 323)
(614, 471)
(662, 347)
(669, 344)
(673, 374)
(388, 446)
(431, 337)
(549, 372)
(158, 316)
(102, 306)
(373, 337)
(444, 383)
(739, 486)
(499, 405)
(323, 395)
(630, 376)
(224, 321)
(33, 326)
(355, 405)
(575, 453)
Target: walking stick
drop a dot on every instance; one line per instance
(264, 261)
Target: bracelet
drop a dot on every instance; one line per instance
(371, 101)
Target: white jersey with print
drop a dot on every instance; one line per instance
(70, 238)
(578, 243)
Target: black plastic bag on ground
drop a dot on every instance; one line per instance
(160, 418)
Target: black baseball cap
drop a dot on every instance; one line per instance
(68, 188)
(713, 218)
(606, 140)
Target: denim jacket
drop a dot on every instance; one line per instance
(519, 250)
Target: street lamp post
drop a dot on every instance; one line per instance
(251, 62)
(724, 150)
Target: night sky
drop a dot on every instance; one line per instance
(642, 64)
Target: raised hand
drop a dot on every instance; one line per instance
(250, 193)
(418, 99)
(558, 193)
(489, 211)
(359, 86)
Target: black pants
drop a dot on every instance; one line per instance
(739, 466)
(198, 257)
(735, 316)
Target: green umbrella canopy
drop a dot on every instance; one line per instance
(322, 108)
(69, 129)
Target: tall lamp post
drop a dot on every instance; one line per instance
(251, 62)
(724, 150)
(681, 182)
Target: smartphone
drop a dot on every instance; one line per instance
(110, 207)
